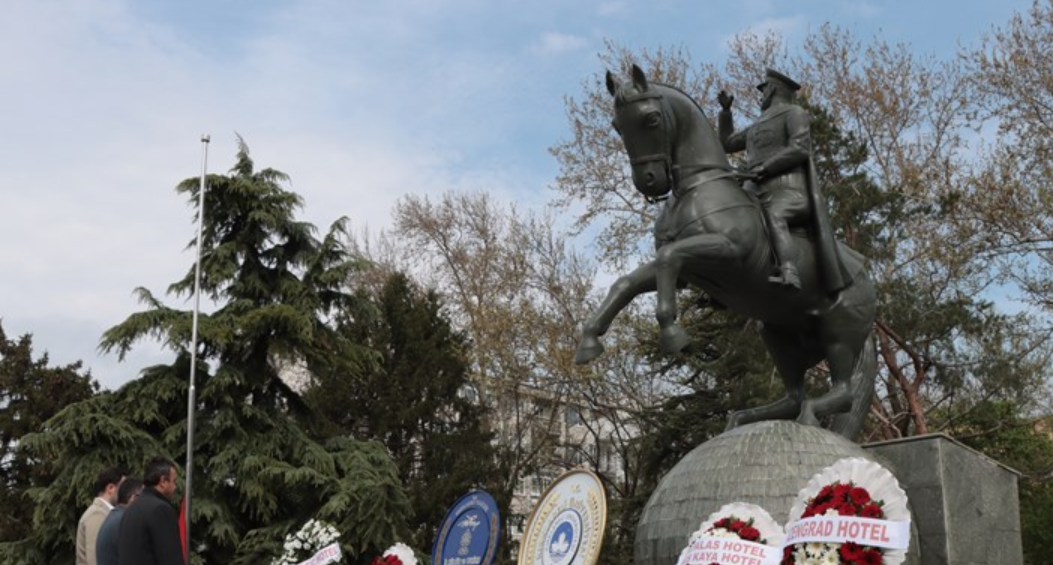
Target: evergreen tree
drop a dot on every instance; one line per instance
(413, 401)
(31, 392)
(281, 296)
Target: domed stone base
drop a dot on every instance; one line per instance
(765, 463)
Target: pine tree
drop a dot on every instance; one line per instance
(31, 392)
(414, 401)
(258, 473)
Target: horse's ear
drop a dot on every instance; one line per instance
(612, 84)
(639, 78)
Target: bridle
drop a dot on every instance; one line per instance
(673, 170)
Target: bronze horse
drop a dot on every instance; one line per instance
(710, 233)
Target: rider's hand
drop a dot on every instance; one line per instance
(725, 100)
(759, 172)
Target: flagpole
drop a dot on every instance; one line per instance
(192, 393)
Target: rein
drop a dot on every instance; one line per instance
(679, 191)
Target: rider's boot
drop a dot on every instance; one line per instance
(786, 252)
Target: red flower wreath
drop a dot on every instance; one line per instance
(742, 528)
(843, 499)
(387, 560)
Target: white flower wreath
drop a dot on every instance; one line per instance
(312, 537)
(881, 486)
(768, 529)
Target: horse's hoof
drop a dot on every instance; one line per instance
(807, 416)
(673, 339)
(589, 349)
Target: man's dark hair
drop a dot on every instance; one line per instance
(107, 477)
(158, 466)
(129, 488)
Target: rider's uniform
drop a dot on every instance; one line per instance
(781, 142)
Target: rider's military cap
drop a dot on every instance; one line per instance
(775, 76)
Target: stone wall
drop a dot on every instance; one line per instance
(966, 507)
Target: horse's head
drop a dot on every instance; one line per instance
(643, 119)
(665, 134)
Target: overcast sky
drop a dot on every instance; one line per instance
(359, 102)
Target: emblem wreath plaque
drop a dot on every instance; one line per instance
(469, 532)
(567, 525)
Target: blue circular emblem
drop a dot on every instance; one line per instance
(468, 534)
(563, 539)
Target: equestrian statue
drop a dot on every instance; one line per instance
(756, 241)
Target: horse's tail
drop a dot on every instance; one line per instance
(850, 424)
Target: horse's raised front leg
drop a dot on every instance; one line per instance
(700, 252)
(622, 292)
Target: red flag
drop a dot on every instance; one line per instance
(182, 525)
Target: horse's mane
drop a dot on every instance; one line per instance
(685, 95)
(627, 91)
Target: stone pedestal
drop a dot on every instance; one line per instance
(965, 505)
(765, 463)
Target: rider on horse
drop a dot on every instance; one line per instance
(711, 234)
(778, 157)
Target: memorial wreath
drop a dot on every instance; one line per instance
(851, 513)
(737, 533)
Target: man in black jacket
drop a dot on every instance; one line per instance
(149, 533)
(106, 543)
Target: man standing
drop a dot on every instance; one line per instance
(149, 532)
(88, 527)
(106, 545)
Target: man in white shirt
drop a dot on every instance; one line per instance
(88, 528)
